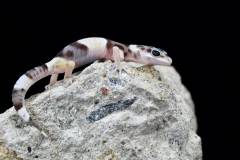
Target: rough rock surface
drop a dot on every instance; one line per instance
(146, 114)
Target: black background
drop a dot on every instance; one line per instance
(196, 36)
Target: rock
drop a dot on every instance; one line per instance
(6, 154)
(146, 113)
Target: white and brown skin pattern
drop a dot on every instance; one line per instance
(82, 52)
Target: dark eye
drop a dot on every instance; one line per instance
(155, 53)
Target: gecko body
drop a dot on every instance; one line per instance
(82, 52)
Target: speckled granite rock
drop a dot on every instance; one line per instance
(146, 114)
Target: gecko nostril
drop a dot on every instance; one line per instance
(169, 59)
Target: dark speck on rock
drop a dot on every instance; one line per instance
(115, 81)
(96, 101)
(29, 149)
(104, 141)
(103, 111)
(123, 143)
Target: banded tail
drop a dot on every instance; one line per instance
(23, 84)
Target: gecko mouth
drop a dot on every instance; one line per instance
(166, 61)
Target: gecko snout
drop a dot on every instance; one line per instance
(169, 60)
(166, 61)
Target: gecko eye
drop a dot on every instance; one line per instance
(155, 53)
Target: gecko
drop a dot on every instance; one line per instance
(81, 52)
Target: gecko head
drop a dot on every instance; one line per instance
(150, 55)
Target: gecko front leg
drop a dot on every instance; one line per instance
(118, 56)
(69, 69)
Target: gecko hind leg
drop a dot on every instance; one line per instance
(53, 79)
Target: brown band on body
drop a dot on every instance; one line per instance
(79, 46)
(66, 54)
(145, 48)
(74, 52)
(17, 98)
(110, 44)
(109, 47)
(131, 56)
(69, 54)
(149, 50)
(136, 55)
(81, 50)
(120, 47)
(129, 50)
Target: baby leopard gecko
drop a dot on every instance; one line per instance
(82, 52)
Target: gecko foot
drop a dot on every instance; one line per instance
(120, 71)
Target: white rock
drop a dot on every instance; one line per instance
(145, 114)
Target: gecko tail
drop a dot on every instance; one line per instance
(23, 84)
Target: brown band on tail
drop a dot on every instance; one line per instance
(17, 98)
(36, 72)
(20, 88)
